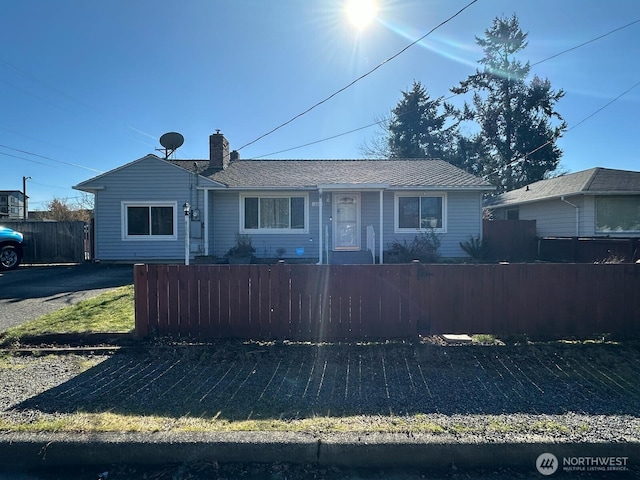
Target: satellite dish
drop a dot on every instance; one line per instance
(171, 141)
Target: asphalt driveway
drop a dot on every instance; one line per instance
(29, 292)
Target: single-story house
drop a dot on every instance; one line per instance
(309, 210)
(590, 203)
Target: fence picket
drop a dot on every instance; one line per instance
(141, 300)
(321, 302)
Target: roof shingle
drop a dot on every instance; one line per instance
(593, 181)
(401, 173)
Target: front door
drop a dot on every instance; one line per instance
(346, 221)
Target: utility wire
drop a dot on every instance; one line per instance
(65, 95)
(586, 43)
(324, 139)
(603, 107)
(521, 159)
(46, 158)
(360, 77)
(456, 94)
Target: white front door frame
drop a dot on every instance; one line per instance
(346, 224)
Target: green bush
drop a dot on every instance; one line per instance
(425, 248)
(476, 248)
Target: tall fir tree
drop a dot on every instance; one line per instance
(518, 123)
(417, 128)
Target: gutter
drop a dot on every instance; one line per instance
(577, 214)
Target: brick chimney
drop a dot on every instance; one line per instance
(218, 151)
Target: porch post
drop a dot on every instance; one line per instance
(381, 235)
(206, 221)
(320, 226)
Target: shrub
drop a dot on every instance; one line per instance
(424, 248)
(243, 247)
(476, 248)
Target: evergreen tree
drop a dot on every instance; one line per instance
(418, 126)
(416, 129)
(516, 141)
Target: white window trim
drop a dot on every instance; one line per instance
(148, 238)
(396, 217)
(274, 231)
(599, 231)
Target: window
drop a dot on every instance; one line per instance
(274, 213)
(145, 221)
(420, 212)
(513, 214)
(617, 214)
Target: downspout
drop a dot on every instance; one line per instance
(320, 233)
(481, 218)
(206, 221)
(381, 261)
(577, 215)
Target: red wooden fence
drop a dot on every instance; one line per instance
(328, 302)
(510, 240)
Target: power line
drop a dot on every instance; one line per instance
(324, 139)
(46, 158)
(60, 92)
(603, 107)
(456, 94)
(32, 182)
(515, 162)
(360, 77)
(586, 43)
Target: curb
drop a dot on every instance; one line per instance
(39, 450)
(19, 450)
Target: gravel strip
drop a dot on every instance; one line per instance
(583, 393)
(546, 393)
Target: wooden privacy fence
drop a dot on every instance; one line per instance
(328, 302)
(510, 240)
(589, 249)
(53, 242)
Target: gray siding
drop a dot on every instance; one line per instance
(588, 216)
(464, 220)
(153, 180)
(146, 180)
(555, 218)
(224, 221)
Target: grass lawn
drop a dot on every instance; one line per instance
(110, 312)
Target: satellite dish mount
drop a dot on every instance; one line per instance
(171, 141)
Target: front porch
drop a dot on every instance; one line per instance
(361, 257)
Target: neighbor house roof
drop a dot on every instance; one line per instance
(595, 181)
(401, 173)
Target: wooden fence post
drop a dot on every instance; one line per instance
(141, 300)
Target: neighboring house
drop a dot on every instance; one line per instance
(594, 202)
(12, 205)
(310, 209)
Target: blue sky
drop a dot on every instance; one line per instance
(88, 86)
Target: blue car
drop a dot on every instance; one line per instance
(10, 248)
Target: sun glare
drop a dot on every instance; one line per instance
(361, 12)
